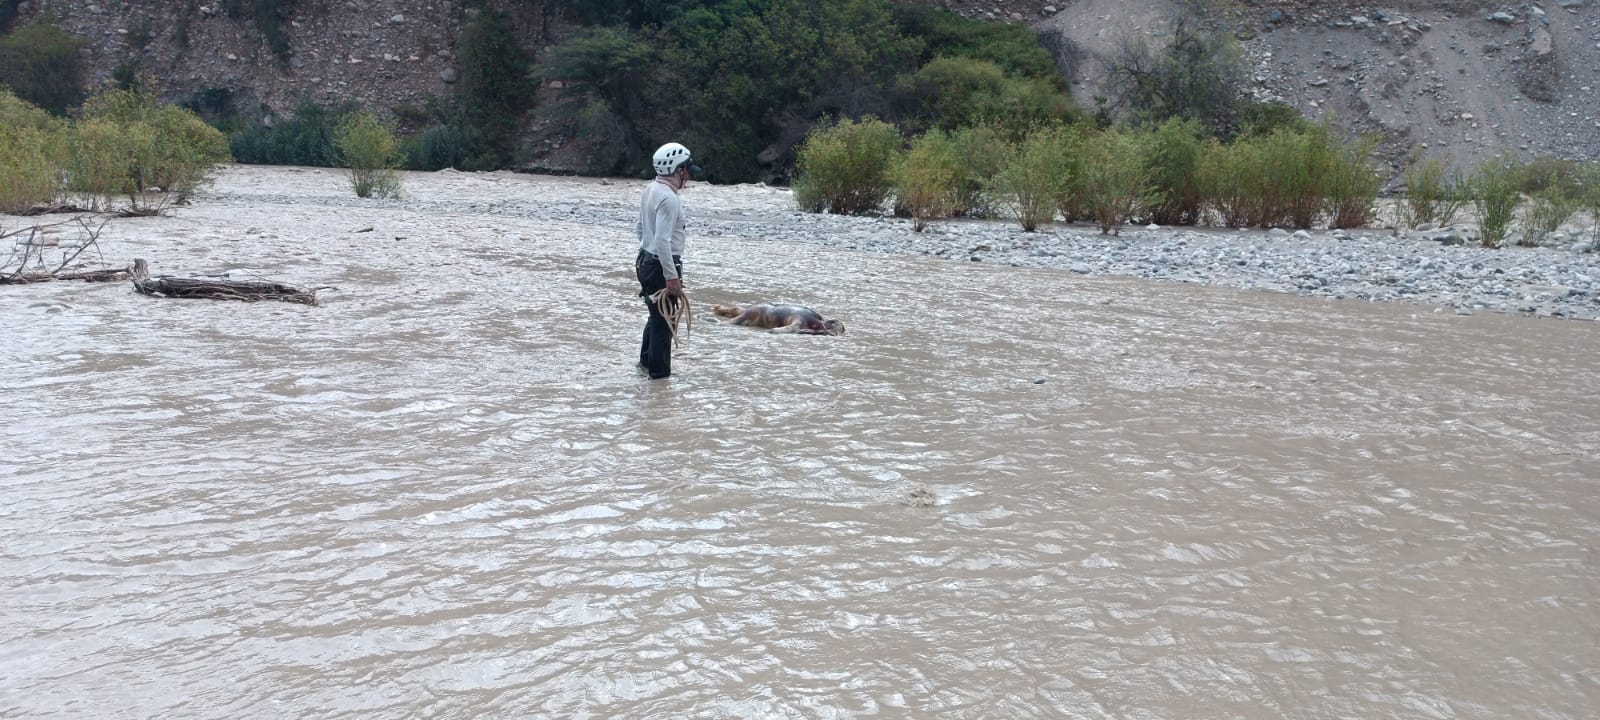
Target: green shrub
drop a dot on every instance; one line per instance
(1493, 186)
(1229, 178)
(1172, 157)
(1261, 117)
(844, 168)
(1035, 177)
(18, 113)
(1114, 182)
(101, 159)
(742, 81)
(609, 75)
(1542, 174)
(982, 151)
(494, 84)
(170, 151)
(306, 138)
(739, 81)
(31, 161)
(1350, 185)
(42, 65)
(953, 93)
(1591, 195)
(1551, 208)
(1010, 46)
(926, 179)
(449, 146)
(1293, 167)
(369, 149)
(605, 135)
(1435, 193)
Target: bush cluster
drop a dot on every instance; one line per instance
(1435, 193)
(124, 146)
(1591, 196)
(368, 148)
(1535, 197)
(493, 92)
(32, 153)
(1030, 184)
(304, 138)
(742, 82)
(925, 179)
(1169, 173)
(845, 168)
(149, 153)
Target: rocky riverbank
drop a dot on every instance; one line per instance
(1364, 264)
(1427, 267)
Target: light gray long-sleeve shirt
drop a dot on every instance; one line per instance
(661, 226)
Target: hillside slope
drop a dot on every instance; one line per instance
(1440, 77)
(1459, 77)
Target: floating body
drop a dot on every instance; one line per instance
(781, 318)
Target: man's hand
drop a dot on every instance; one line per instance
(674, 286)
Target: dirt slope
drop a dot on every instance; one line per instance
(1439, 77)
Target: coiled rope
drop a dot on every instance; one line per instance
(675, 308)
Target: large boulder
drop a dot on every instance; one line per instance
(1535, 70)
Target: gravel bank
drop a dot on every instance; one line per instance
(1370, 264)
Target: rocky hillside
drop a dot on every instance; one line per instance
(1437, 75)
(1463, 78)
(381, 53)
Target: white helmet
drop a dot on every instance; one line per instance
(669, 158)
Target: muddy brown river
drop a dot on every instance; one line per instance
(446, 492)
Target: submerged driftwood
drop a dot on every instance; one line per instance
(38, 241)
(102, 275)
(215, 289)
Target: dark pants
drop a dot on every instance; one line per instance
(655, 352)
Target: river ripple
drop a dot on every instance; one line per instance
(446, 492)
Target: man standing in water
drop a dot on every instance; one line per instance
(660, 261)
